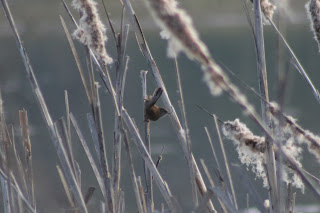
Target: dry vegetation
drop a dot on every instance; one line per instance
(274, 157)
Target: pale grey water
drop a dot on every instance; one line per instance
(55, 68)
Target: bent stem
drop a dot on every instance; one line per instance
(148, 176)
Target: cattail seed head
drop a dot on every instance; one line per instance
(267, 8)
(250, 149)
(313, 10)
(266, 204)
(91, 31)
(178, 27)
(240, 133)
(214, 78)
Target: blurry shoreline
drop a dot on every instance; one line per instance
(202, 22)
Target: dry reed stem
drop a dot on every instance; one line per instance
(132, 173)
(212, 148)
(6, 198)
(263, 87)
(162, 185)
(14, 185)
(165, 98)
(204, 202)
(21, 173)
(143, 200)
(121, 72)
(97, 115)
(46, 115)
(65, 187)
(4, 163)
(96, 127)
(297, 62)
(246, 182)
(186, 133)
(24, 125)
(89, 156)
(148, 176)
(76, 57)
(226, 162)
(206, 170)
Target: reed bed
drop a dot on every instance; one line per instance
(273, 156)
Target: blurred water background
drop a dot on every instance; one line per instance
(223, 27)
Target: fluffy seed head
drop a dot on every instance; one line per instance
(214, 78)
(267, 8)
(178, 27)
(91, 31)
(239, 132)
(250, 149)
(266, 204)
(313, 10)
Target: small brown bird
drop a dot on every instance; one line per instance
(151, 110)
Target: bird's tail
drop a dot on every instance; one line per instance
(156, 95)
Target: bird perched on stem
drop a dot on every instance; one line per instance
(151, 110)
